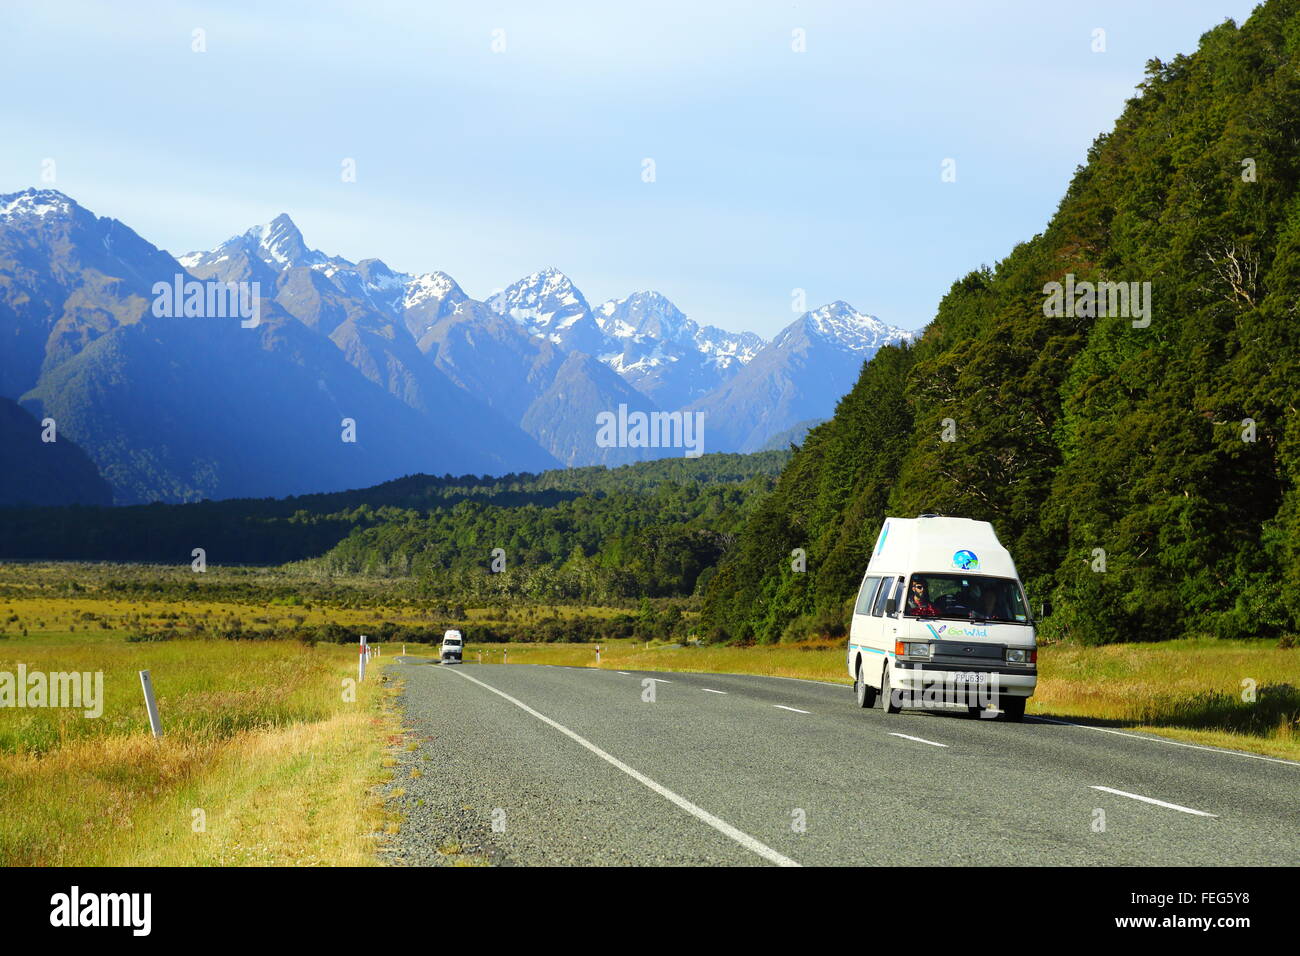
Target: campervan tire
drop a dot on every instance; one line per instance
(886, 693)
(862, 691)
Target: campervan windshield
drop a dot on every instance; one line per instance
(961, 595)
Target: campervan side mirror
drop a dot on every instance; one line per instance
(891, 606)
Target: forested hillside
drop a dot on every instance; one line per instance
(1144, 475)
(594, 534)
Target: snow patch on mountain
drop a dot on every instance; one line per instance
(725, 349)
(38, 203)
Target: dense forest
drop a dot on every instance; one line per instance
(595, 534)
(1142, 468)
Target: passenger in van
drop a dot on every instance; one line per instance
(993, 606)
(918, 600)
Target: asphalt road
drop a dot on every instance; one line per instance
(530, 765)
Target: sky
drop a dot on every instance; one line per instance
(490, 140)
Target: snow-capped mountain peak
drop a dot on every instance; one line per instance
(40, 203)
(841, 323)
(279, 244)
(547, 303)
(642, 338)
(644, 314)
(544, 298)
(430, 285)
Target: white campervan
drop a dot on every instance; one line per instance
(941, 619)
(453, 647)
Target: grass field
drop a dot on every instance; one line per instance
(89, 600)
(263, 759)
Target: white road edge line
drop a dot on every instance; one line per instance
(722, 826)
(919, 740)
(710, 690)
(1158, 803)
(802, 680)
(795, 709)
(625, 673)
(1162, 740)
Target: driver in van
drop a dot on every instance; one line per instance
(918, 600)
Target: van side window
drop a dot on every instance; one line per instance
(881, 597)
(866, 595)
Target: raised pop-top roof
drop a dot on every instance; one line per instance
(935, 543)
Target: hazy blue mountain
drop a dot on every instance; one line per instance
(438, 381)
(554, 394)
(66, 278)
(510, 370)
(800, 375)
(185, 409)
(363, 309)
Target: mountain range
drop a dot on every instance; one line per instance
(356, 373)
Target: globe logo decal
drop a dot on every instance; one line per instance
(965, 560)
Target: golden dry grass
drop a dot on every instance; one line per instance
(258, 736)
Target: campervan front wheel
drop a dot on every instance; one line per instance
(887, 703)
(865, 693)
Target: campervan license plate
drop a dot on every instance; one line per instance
(971, 677)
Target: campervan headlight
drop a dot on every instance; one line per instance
(1021, 655)
(913, 649)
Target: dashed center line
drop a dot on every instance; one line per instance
(919, 740)
(625, 673)
(1158, 803)
(710, 690)
(658, 680)
(795, 709)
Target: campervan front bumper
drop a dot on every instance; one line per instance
(916, 677)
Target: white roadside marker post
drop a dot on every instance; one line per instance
(597, 655)
(505, 657)
(150, 705)
(361, 665)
